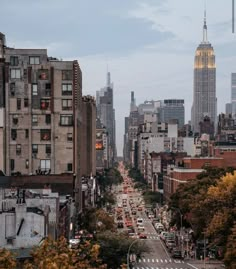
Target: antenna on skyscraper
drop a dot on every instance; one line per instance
(205, 26)
(233, 16)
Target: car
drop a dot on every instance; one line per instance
(150, 216)
(120, 225)
(119, 217)
(142, 236)
(134, 212)
(139, 221)
(177, 254)
(163, 235)
(170, 244)
(141, 228)
(158, 225)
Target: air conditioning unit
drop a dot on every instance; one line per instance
(34, 155)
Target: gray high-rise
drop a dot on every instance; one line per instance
(204, 92)
(233, 94)
(106, 114)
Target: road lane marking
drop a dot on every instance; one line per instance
(161, 260)
(144, 260)
(170, 260)
(139, 260)
(192, 265)
(166, 262)
(148, 260)
(157, 260)
(153, 260)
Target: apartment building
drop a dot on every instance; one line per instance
(42, 99)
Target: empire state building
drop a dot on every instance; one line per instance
(204, 91)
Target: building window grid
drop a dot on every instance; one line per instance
(14, 60)
(34, 148)
(66, 89)
(34, 60)
(18, 149)
(66, 120)
(34, 89)
(15, 73)
(66, 104)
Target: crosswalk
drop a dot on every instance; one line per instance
(151, 260)
(154, 267)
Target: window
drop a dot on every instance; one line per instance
(26, 164)
(48, 149)
(45, 134)
(34, 119)
(12, 164)
(43, 74)
(26, 133)
(69, 167)
(69, 137)
(13, 134)
(14, 61)
(67, 89)
(67, 75)
(48, 118)
(66, 120)
(34, 89)
(15, 73)
(26, 102)
(66, 104)
(34, 149)
(12, 88)
(48, 89)
(15, 119)
(34, 60)
(45, 165)
(18, 103)
(18, 149)
(44, 104)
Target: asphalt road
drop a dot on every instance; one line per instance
(157, 256)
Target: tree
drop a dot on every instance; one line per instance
(114, 248)
(97, 220)
(7, 259)
(57, 255)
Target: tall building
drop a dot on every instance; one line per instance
(88, 136)
(106, 114)
(233, 94)
(204, 92)
(172, 109)
(42, 99)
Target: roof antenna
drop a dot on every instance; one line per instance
(233, 16)
(205, 26)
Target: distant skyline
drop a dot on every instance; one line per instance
(147, 45)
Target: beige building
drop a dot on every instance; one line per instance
(42, 107)
(88, 147)
(41, 98)
(2, 163)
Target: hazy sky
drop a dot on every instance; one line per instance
(148, 45)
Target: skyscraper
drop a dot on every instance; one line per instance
(106, 114)
(204, 92)
(233, 94)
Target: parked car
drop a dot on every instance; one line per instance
(177, 254)
(170, 244)
(163, 235)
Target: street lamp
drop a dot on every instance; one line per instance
(129, 251)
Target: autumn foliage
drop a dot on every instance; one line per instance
(208, 204)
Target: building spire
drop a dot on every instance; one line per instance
(205, 27)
